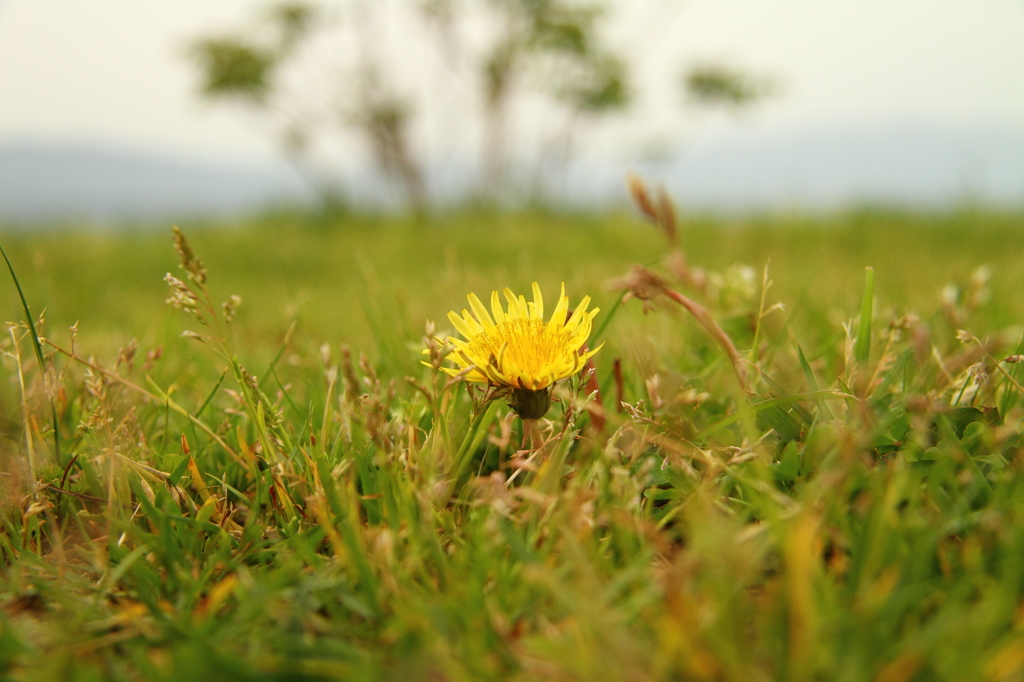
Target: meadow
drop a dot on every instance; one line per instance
(828, 489)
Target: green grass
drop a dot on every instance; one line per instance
(268, 505)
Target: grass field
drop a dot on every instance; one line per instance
(295, 496)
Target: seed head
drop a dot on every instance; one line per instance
(639, 283)
(659, 209)
(189, 263)
(182, 297)
(230, 307)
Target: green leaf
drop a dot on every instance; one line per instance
(781, 421)
(788, 466)
(960, 417)
(829, 394)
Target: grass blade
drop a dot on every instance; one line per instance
(280, 351)
(863, 347)
(607, 320)
(199, 412)
(474, 437)
(812, 383)
(39, 353)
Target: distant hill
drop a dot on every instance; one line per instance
(910, 166)
(46, 183)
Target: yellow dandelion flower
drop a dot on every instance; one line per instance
(518, 349)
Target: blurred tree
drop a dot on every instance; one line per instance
(559, 40)
(236, 70)
(720, 85)
(544, 57)
(544, 46)
(233, 68)
(248, 72)
(385, 117)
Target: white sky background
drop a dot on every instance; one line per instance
(114, 72)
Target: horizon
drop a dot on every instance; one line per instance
(903, 167)
(115, 79)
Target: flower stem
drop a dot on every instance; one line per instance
(716, 331)
(529, 434)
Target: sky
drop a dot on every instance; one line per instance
(115, 72)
